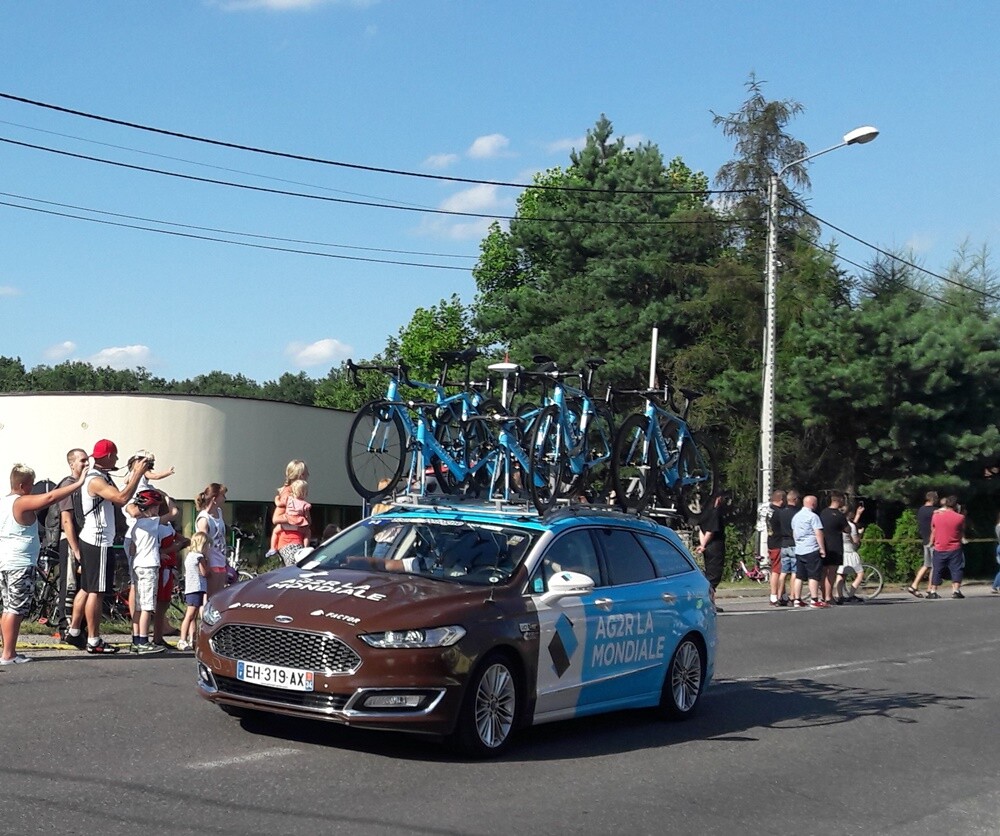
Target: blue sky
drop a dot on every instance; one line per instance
(479, 90)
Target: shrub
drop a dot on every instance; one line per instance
(907, 546)
(877, 550)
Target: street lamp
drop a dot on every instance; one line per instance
(859, 136)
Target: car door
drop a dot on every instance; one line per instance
(630, 625)
(564, 625)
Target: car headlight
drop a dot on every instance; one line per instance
(210, 615)
(434, 637)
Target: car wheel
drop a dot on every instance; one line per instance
(490, 709)
(685, 680)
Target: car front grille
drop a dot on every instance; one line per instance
(300, 699)
(288, 648)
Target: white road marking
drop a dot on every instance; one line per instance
(236, 760)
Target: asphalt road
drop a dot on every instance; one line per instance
(879, 718)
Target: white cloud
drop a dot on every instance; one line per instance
(122, 357)
(634, 140)
(491, 145)
(60, 351)
(920, 243)
(322, 352)
(440, 160)
(480, 198)
(7, 290)
(563, 145)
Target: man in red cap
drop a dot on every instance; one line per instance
(100, 495)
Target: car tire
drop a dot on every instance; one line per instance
(685, 680)
(490, 709)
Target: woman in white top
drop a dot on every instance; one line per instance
(211, 523)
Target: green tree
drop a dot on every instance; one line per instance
(907, 546)
(291, 388)
(431, 331)
(876, 550)
(13, 376)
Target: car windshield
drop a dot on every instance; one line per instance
(450, 550)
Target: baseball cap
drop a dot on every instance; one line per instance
(104, 448)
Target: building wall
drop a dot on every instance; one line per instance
(242, 443)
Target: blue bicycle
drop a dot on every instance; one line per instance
(657, 459)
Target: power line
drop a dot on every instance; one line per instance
(328, 199)
(895, 257)
(197, 163)
(234, 243)
(845, 259)
(355, 166)
(230, 231)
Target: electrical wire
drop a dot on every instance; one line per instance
(354, 166)
(234, 243)
(231, 231)
(341, 200)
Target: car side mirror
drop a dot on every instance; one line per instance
(567, 584)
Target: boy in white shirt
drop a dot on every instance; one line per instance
(147, 533)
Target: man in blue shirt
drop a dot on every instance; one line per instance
(807, 529)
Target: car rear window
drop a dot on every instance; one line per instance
(627, 560)
(669, 560)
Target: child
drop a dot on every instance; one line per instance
(195, 587)
(147, 533)
(298, 511)
(296, 469)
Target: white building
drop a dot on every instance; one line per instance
(241, 442)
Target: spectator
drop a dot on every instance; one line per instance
(99, 497)
(774, 537)
(947, 532)
(295, 469)
(852, 560)
(70, 593)
(211, 523)
(788, 563)
(924, 514)
(995, 589)
(712, 542)
(195, 588)
(147, 533)
(329, 530)
(835, 527)
(298, 510)
(807, 528)
(19, 546)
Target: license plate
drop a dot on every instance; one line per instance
(275, 676)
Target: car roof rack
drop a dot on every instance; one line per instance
(563, 509)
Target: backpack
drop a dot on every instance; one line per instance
(49, 523)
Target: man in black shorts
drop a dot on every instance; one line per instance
(99, 496)
(834, 527)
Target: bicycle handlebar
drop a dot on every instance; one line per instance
(400, 371)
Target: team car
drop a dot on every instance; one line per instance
(467, 623)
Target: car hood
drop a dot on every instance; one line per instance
(321, 599)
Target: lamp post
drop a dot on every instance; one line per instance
(859, 136)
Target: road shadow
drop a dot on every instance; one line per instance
(730, 711)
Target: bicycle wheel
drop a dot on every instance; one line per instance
(376, 450)
(549, 477)
(598, 450)
(871, 583)
(466, 442)
(698, 475)
(634, 472)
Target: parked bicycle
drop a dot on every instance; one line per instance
(45, 595)
(870, 585)
(657, 459)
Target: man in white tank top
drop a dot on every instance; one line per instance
(99, 496)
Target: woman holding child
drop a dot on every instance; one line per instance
(291, 517)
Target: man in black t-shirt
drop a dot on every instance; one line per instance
(834, 527)
(69, 546)
(784, 518)
(924, 514)
(712, 542)
(774, 537)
